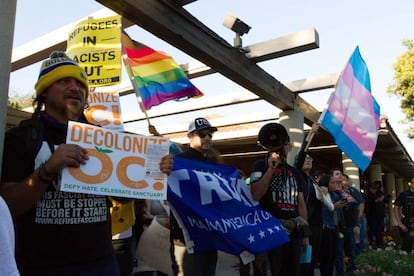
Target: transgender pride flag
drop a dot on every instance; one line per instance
(157, 76)
(352, 115)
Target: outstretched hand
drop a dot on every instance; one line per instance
(153, 130)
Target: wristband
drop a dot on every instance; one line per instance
(44, 175)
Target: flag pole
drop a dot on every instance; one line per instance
(327, 104)
(134, 83)
(311, 134)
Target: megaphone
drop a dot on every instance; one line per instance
(272, 137)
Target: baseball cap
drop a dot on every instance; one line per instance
(200, 124)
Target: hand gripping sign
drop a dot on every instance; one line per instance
(120, 164)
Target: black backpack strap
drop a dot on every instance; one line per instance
(35, 133)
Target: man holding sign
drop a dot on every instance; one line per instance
(57, 233)
(200, 135)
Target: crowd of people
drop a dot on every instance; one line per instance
(320, 211)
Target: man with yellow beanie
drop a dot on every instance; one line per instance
(57, 233)
(57, 67)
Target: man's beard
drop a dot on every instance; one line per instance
(73, 113)
(212, 155)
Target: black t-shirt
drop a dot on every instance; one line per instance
(406, 201)
(372, 208)
(281, 199)
(64, 230)
(313, 204)
(192, 154)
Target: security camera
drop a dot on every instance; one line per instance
(236, 25)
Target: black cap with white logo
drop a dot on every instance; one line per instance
(200, 124)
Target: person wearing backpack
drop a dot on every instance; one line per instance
(55, 233)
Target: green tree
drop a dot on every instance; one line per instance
(403, 84)
(18, 102)
(13, 104)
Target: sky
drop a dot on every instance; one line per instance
(377, 27)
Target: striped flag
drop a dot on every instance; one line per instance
(352, 115)
(158, 77)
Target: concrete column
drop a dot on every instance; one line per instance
(375, 172)
(293, 122)
(399, 186)
(7, 18)
(350, 169)
(389, 188)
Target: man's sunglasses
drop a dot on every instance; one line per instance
(204, 134)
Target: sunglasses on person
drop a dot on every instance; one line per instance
(203, 134)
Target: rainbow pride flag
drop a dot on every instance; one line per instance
(352, 115)
(158, 77)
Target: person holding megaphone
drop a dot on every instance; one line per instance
(278, 188)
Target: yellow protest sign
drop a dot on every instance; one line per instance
(96, 45)
(120, 164)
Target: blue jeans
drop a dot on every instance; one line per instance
(346, 247)
(360, 247)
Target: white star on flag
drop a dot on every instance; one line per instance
(251, 238)
(262, 234)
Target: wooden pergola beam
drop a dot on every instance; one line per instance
(175, 25)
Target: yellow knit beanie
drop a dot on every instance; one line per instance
(59, 66)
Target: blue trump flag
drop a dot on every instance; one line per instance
(215, 209)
